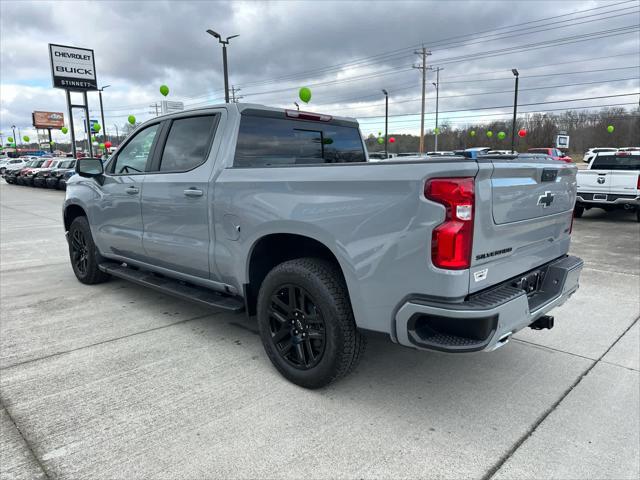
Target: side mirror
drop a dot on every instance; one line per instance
(89, 167)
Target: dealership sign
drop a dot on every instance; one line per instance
(73, 68)
(48, 120)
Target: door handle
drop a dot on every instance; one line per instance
(132, 190)
(193, 192)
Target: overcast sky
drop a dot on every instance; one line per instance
(345, 51)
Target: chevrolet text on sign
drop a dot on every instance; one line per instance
(73, 68)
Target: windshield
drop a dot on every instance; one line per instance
(67, 164)
(616, 162)
(539, 150)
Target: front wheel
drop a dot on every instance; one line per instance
(83, 253)
(306, 322)
(578, 211)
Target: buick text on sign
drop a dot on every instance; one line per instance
(73, 68)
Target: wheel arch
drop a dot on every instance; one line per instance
(275, 248)
(71, 212)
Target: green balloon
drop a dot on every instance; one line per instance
(10, 139)
(64, 130)
(472, 133)
(489, 134)
(25, 138)
(102, 146)
(93, 139)
(305, 94)
(131, 119)
(164, 90)
(96, 127)
(501, 135)
(380, 140)
(610, 129)
(436, 131)
(52, 143)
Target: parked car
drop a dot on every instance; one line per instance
(500, 152)
(333, 247)
(28, 173)
(57, 178)
(611, 181)
(11, 162)
(554, 153)
(592, 152)
(12, 171)
(40, 178)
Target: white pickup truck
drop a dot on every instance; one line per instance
(611, 181)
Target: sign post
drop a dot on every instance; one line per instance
(74, 70)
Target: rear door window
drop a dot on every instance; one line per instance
(616, 162)
(188, 143)
(268, 142)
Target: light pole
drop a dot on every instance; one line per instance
(104, 125)
(117, 134)
(224, 60)
(515, 110)
(15, 142)
(386, 122)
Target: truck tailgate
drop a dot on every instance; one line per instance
(524, 208)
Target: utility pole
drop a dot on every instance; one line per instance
(437, 85)
(156, 106)
(423, 52)
(234, 96)
(117, 134)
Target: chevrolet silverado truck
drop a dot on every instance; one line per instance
(611, 181)
(280, 214)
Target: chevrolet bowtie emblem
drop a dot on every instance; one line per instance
(546, 199)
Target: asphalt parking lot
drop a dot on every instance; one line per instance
(116, 381)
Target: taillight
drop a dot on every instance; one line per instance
(638, 184)
(451, 241)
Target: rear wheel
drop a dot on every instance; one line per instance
(306, 322)
(637, 214)
(578, 211)
(83, 253)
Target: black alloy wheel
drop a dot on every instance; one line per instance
(297, 327)
(79, 251)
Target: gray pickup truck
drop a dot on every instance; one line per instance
(280, 214)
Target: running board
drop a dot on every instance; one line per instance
(176, 288)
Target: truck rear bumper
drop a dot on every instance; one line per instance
(486, 320)
(607, 199)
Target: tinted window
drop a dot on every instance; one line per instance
(616, 162)
(266, 141)
(133, 156)
(187, 143)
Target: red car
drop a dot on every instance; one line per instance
(553, 153)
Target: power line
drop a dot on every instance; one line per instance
(507, 115)
(567, 100)
(431, 43)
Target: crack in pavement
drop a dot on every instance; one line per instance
(498, 465)
(26, 442)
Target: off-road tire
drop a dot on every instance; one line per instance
(343, 343)
(578, 211)
(90, 274)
